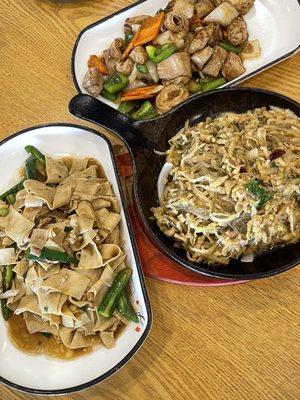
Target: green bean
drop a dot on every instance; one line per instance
(8, 277)
(126, 309)
(212, 85)
(53, 255)
(46, 334)
(110, 301)
(19, 186)
(7, 281)
(230, 47)
(11, 198)
(5, 310)
(30, 168)
(146, 111)
(34, 152)
(4, 211)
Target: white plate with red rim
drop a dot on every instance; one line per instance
(48, 376)
(274, 23)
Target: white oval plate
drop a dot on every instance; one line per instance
(48, 376)
(275, 23)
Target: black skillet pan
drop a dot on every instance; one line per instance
(141, 137)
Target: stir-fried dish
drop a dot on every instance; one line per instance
(189, 47)
(233, 187)
(62, 267)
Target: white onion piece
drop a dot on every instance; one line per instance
(152, 70)
(223, 15)
(135, 85)
(133, 76)
(162, 179)
(247, 258)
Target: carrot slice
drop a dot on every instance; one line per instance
(95, 61)
(141, 90)
(148, 32)
(138, 97)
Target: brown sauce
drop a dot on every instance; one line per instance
(37, 343)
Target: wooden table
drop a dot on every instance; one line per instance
(236, 342)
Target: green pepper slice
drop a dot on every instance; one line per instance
(157, 55)
(127, 107)
(126, 309)
(128, 37)
(110, 301)
(230, 47)
(53, 255)
(116, 83)
(146, 111)
(213, 84)
(142, 68)
(108, 96)
(194, 86)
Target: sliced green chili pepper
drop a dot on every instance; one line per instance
(30, 168)
(194, 86)
(68, 229)
(19, 186)
(8, 277)
(34, 152)
(7, 281)
(4, 211)
(108, 96)
(46, 334)
(5, 310)
(53, 255)
(159, 55)
(128, 37)
(230, 47)
(126, 107)
(126, 309)
(256, 189)
(110, 301)
(11, 198)
(213, 84)
(115, 83)
(146, 111)
(142, 68)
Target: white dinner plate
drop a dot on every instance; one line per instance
(276, 23)
(49, 376)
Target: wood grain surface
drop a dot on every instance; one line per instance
(231, 343)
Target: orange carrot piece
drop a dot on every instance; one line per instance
(138, 97)
(95, 61)
(150, 29)
(131, 45)
(141, 90)
(148, 32)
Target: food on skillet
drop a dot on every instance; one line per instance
(63, 271)
(232, 186)
(191, 46)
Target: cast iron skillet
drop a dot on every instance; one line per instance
(141, 137)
